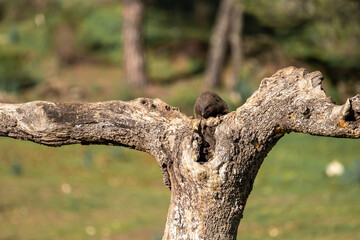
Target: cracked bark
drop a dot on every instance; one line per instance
(207, 197)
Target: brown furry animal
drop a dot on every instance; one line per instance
(210, 104)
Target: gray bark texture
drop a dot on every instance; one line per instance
(207, 197)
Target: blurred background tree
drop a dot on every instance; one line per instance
(134, 56)
(177, 41)
(74, 50)
(227, 31)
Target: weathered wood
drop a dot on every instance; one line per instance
(207, 197)
(142, 124)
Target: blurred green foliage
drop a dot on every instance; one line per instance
(15, 72)
(99, 32)
(324, 35)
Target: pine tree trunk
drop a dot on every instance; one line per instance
(235, 41)
(134, 59)
(218, 43)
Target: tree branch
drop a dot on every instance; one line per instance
(143, 124)
(293, 101)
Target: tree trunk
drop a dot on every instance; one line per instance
(207, 198)
(134, 59)
(218, 43)
(65, 44)
(235, 41)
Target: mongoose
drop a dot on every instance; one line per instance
(209, 104)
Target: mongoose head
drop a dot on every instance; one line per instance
(210, 104)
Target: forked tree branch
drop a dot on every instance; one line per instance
(210, 164)
(292, 95)
(143, 124)
(294, 101)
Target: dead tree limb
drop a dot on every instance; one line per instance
(207, 198)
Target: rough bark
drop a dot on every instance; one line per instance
(134, 59)
(207, 198)
(218, 43)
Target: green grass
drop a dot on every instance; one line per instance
(118, 193)
(113, 190)
(293, 198)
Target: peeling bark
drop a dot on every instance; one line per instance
(207, 197)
